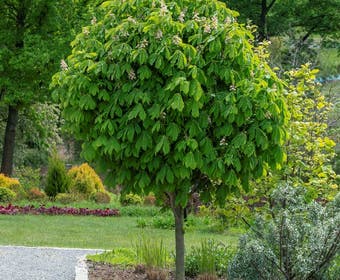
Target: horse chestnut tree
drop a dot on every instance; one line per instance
(171, 95)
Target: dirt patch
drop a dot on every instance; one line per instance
(101, 271)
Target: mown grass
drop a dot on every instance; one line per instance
(92, 232)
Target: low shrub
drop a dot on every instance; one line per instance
(14, 185)
(150, 199)
(66, 198)
(124, 257)
(7, 182)
(36, 194)
(301, 241)
(139, 211)
(57, 180)
(208, 260)
(85, 181)
(130, 199)
(101, 197)
(19, 191)
(163, 222)
(6, 195)
(28, 177)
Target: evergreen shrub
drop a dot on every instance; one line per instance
(130, 199)
(84, 180)
(301, 241)
(57, 178)
(6, 195)
(14, 185)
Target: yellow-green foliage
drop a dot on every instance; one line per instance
(6, 195)
(131, 199)
(66, 198)
(7, 182)
(85, 180)
(14, 185)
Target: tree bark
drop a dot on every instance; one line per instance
(9, 141)
(263, 21)
(263, 32)
(179, 233)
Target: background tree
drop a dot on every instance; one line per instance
(170, 97)
(34, 37)
(275, 17)
(299, 30)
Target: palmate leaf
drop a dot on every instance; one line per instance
(189, 161)
(173, 131)
(177, 102)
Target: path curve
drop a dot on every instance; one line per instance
(43, 263)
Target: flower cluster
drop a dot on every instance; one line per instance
(86, 31)
(176, 40)
(63, 65)
(54, 210)
(143, 44)
(132, 75)
(164, 9)
(159, 34)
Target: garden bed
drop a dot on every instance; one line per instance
(102, 271)
(55, 210)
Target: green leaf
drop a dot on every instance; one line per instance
(173, 131)
(240, 140)
(86, 102)
(144, 141)
(192, 144)
(89, 153)
(195, 111)
(156, 127)
(137, 110)
(177, 102)
(196, 90)
(184, 86)
(231, 178)
(189, 161)
(170, 176)
(163, 145)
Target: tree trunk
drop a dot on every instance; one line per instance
(179, 232)
(263, 21)
(9, 141)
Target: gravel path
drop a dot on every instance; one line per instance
(18, 263)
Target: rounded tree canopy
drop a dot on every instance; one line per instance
(167, 95)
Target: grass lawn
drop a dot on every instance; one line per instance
(91, 232)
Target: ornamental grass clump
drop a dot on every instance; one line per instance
(154, 256)
(301, 241)
(209, 260)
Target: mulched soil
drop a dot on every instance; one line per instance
(101, 271)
